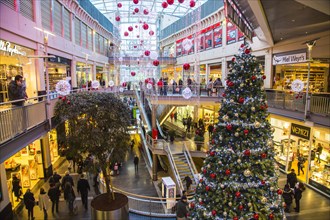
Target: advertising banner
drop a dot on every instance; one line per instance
(217, 36)
(209, 39)
(231, 33)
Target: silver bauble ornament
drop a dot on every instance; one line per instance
(236, 134)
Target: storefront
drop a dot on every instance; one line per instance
(27, 166)
(209, 114)
(14, 61)
(292, 65)
(59, 68)
(53, 146)
(215, 71)
(84, 74)
(101, 75)
(303, 148)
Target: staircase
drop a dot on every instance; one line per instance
(184, 169)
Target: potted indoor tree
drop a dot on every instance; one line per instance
(97, 124)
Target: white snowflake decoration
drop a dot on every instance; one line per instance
(297, 85)
(186, 93)
(111, 83)
(153, 55)
(63, 87)
(95, 84)
(187, 44)
(149, 86)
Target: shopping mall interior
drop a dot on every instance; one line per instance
(183, 70)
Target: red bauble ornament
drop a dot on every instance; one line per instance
(227, 172)
(117, 18)
(130, 28)
(136, 10)
(170, 2)
(68, 102)
(263, 77)
(240, 207)
(235, 218)
(223, 94)
(266, 106)
(60, 97)
(119, 5)
(247, 51)
(147, 52)
(246, 131)
(201, 202)
(263, 155)
(164, 4)
(233, 59)
(133, 73)
(186, 66)
(231, 84)
(279, 191)
(124, 84)
(145, 26)
(204, 171)
(237, 194)
(229, 127)
(136, 1)
(242, 45)
(64, 98)
(263, 182)
(256, 216)
(180, 1)
(192, 3)
(200, 180)
(247, 152)
(262, 107)
(155, 62)
(253, 77)
(207, 188)
(125, 33)
(214, 212)
(213, 141)
(145, 11)
(241, 100)
(212, 153)
(213, 175)
(271, 216)
(192, 205)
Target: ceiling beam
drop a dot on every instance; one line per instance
(319, 5)
(260, 15)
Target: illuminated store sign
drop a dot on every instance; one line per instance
(292, 58)
(6, 46)
(300, 131)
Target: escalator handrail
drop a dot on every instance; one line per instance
(142, 109)
(190, 161)
(146, 149)
(175, 169)
(157, 123)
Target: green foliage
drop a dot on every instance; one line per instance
(239, 175)
(96, 124)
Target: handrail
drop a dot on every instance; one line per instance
(142, 109)
(145, 144)
(190, 160)
(175, 169)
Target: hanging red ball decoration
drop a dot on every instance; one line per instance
(263, 155)
(213, 175)
(133, 73)
(279, 192)
(256, 216)
(117, 18)
(262, 107)
(130, 28)
(207, 188)
(247, 152)
(147, 52)
(64, 98)
(170, 2)
(155, 62)
(229, 127)
(242, 45)
(180, 1)
(136, 10)
(227, 172)
(145, 26)
(214, 212)
(186, 66)
(125, 33)
(136, 1)
(241, 100)
(60, 97)
(192, 3)
(164, 4)
(119, 5)
(247, 51)
(124, 84)
(145, 11)
(151, 33)
(237, 194)
(246, 131)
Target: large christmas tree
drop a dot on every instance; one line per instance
(239, 175)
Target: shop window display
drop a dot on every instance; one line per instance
(53, 146)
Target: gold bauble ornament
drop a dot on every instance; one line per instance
(247, 173)
(257, 124)
(239, 161)
(249, 204)
(236, 134)
(253, 109)
(263, 200)
(231, 100)
(230, 204)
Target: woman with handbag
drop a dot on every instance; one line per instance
(29, 202)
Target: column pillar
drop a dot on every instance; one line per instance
(94, 71)
(195, 113)
(47, 163)
(73, 72)
(268, 69)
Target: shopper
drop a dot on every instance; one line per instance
(69, 196)
(210, 129)
(319, 152)
(96, 183)
(83, 188)
(43, 202)
(301, 164)
(209, 87)
(54, 194)
(67, 178)
(17, 91)
(136, 163)
(188, 182)
(288, 197)
(29, 202)
(17, 188)
(298, 190)
(182, 209)
(292, 179)
(55, 178)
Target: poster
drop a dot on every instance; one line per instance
(178, 48)
(208, 40)
(25, 176)
(201, 41)
(217, 35)
(33, 166)
(240, 35)
(192, 49)
(231, 33)
(183, 51)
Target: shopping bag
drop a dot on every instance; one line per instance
(75, 208)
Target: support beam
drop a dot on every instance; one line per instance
(319, 5)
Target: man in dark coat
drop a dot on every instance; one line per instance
(54, 194)
(292, 179)
(182, 208)
(29, 203)
(16, 90)
(83, 188)
(16, 187)
(188, 182)
(55, 179)
(136, 163)
(67, 178)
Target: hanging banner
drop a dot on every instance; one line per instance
(240, 35)
(178, 48)
(231, 33)
(208, 40)
(217, 36)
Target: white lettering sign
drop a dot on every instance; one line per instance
(292, 58)
(6, 47)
